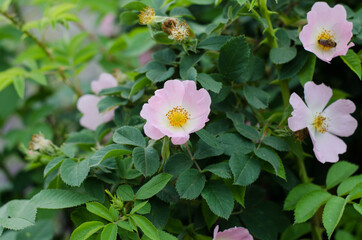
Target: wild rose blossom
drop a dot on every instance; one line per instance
(87, 104)
(176, 110)
(328, 32)
(324, 123)
(236, 233)
(107, 27)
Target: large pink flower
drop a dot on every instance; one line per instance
(236, 233)
(87, 104)
(176, 110)
(328, 32)
(324, 124)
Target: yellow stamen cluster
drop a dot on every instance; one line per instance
(178, 116)
(326, 40)
(147, 15)
(180, 31)
(320, 123)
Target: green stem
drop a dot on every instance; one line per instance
(165, 152)
(302, 170)
(192, 157)
(265, 13)
(283, 84)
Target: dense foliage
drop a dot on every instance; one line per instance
(78, 162)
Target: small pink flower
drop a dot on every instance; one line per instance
(145, 57)
(324, 124)
(236, 233)
(328, 32)
(176, 110)
(87, 104)
(107, 27)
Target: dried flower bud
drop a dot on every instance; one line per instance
(180, 31)
(146, 16)
(40, 143)
(168, 24)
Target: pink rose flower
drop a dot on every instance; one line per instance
(107, 27)
(176, 110)
(145, 58)
(324, 123)
(235, 233)
(87, 104)
(328, 32)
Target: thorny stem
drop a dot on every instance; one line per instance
(43, 47)
(192, 157)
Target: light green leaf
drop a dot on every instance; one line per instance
(73, 173)
(219, 199)
(14, 223)
(109, 102)
(139, 85)
(129, 136)
(356, 193)
(19, 84)
(138, 206)
(297, 193)
(109, 232)
(190, 184)
(146, 160)
(348, 184)
(339, 172)
(23, 209)
(146, 226)
(125, 192)
(353, 62)
(308, 205)
(86, 230)
(53, 164)
(109, 151)
(153, 186)
(99, 210)
(332, 213)
(246, 169)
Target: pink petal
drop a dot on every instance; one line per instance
(326, 146)
(88, 103)
(108, 115)
(301, 115)
(105, 81)
(236, 233)
(107, 27)
(153, 132)
(145, 57)
(341, 123)
(180, 140)
(316, 96)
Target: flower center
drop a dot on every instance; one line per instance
(326, 40)
(178, 116)
(180, 31)
(320, 123)
(147, 15)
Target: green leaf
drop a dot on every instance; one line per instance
(42, 230)
(188, 62)
(86, 230)
(332, 213)
(73, 173)
(129, 136)
(99, 210)
(297, 193)
(165, 56)
(234, 142)
(221, 169)
(53, 164)
(146, 226)
(308, 205)
(356, 193)
(276, 143)
(14, 223)
(153, 186)
(146, 160)
(213, 42)
(59, 198)
(348, 184)
(282, 55)
(19, 84)
(23, 209)
(125, 192)
(69, 150)
(190, 184)
(238, 193)
(339, 172)
(256, 97)
(95, 188)
(109, 151)
(107, 103)
(109, 232)
(208, 138)
(209, 83)
(246, 169)
(38, 77)
(159, 72)
(139, 85)
(177, 164)
(124, 225)
(296, 231)
(293, 67)
(233, 59)
(358, 208)
(353, 62)
(83, 137)
(247, 131)
(269, 156)
(219, 199)
(306, 74)
(209, 217)
(181, 12)
(204, 150)
(138, 206)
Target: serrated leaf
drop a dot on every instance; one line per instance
(296, 231)
(353, 62)
(339, 172)
(233, 58)
(125, 192)
(73, 173)
(146, 226)
(59, 198)
(308, 205)
(109, 151)
(356, 193)
(86, 230)
(208, 82)
(138, 206)
(256, 97)
(139, 85)
(282, 55)
(269, 156)
(332, 213)
(153, 186)
(99, 210)
(348, 184)
(246, 169)
(177, 164)
(146, 160)
(221, 169)
(188, 62)
(15, 223)
(297, 193)
(129, 136)
(190, 184)
(276, 143)
(247, 131)
(109, 232)
(53, 164)
(219, 199)
(109, 102)
(23, 209)
(208, 138)
(213, 42)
